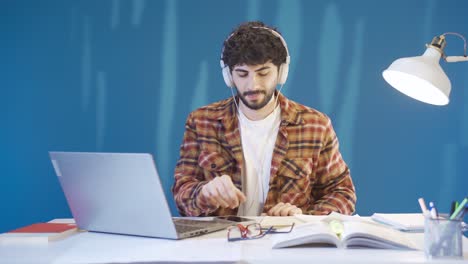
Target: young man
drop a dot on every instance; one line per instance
(258, 152)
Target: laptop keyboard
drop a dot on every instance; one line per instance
(186, 228)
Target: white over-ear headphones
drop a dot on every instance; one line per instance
(282, 71)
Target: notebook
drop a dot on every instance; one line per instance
(413, 222)
(121, 193)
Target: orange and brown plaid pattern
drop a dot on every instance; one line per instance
(307, 169)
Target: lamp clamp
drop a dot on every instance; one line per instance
(439, 43)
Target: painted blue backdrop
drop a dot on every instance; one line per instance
(121, 76)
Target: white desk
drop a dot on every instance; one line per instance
(89, 247)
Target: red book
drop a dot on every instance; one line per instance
(44, 228)
(38, 233)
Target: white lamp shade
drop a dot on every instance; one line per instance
(420, 77)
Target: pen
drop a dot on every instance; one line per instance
(453, 206)
(459, 209)
(434, 213)
(422, 204)
(462, 214)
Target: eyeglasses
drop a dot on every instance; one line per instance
(252, 231)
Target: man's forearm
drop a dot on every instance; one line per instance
(337, 196)
(341, 201)
(188, 198)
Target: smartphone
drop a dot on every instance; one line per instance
(236, 219)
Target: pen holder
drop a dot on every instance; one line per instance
(443, 238)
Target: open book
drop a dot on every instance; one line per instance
(346, 234)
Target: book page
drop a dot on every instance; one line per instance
(63, 220)
(362, 234)
(318, 233)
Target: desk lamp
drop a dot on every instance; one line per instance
(421, 77)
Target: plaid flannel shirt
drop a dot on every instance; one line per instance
(307, 169)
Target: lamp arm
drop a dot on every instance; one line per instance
(456, 58)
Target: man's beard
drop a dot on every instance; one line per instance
(256, 105)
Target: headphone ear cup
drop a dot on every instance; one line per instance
(227, 77)
(283, 73)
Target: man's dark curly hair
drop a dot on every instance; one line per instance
(248, 44)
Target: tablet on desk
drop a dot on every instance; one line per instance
(237, 219)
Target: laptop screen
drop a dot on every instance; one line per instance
(114, 193)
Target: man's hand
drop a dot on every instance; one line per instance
(284, 209)
(221, 192)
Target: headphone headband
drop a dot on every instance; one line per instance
(278, 35)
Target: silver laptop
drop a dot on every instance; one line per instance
(121, 193)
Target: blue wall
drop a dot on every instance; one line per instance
(121, 76)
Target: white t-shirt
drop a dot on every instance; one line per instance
(258, 141)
